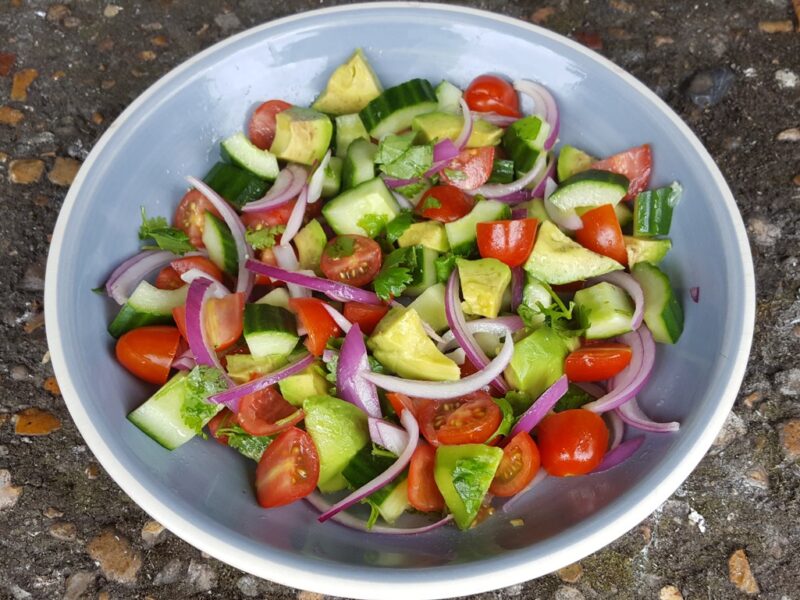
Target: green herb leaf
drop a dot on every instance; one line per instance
(559, 317)
(201, 383)
(431, 202)
(261, 239)
(398, 158)
(100, 290)
(331, 367)
(372, 224)
(393, 147)
(508, 418)
(341, 247)
(574, 398)
(397, 226)
(469, 477)
(455, 174)
(396, 274)
(251, 446)
(412, 189)
(167, 238)
(519, 401)
(444, 265)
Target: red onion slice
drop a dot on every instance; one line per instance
(385, 434)
(543, 404)
(494, 118)
(295, 217)
(498, 326)
(619, 455)
(540, 476)
(517, 285)
(393, 182)
(317, 179)
(500, 190)
(412, 427)
(633, 378)
(217, 290)
(540, 186)
(519, 213)
(466, 129)
(617, 427)
(633, 415)
(184, 361)
(544, 105)
(566, 219)
(322, 505)
(443, 152)
(350, 369)
(458, 356)
(287, 186)
(199, 291)
(402, 200)
(632, 287)
(332, 289)
(124, 279)
(342, 321)
(694, 292)
(231, 396)
(244, 279)
(444, 390)
(287, 259)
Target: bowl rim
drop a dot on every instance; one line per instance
(371, 582)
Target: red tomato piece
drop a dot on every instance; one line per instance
(520, 463)
(266, 256)
(223, 319)
(423, 493)
(351, 259)
(597, 362)
(488, 93)
(470, 419)
(222, 420)
(265, 412)
(190, 216)
(148, 352)
(602, 233)
(508, 241)
(470, 169)
(316, 321)
(168, 279)
(444, 203)
(366, 315)
(261, 128)
(288, 469)
(636, 164)
(572, 442)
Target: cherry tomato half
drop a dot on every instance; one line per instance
(288, 469)
(265, 412)
(169, 278)
(636, 164)
(470, 419)
(190, 216)
(223, 319)
(351, 259)
(366, 315)
(470, 169)
(261, 128)
(520, 463)
(572, 442)
(602, 233)
(597, 362)
(148, 351)
(444, 203)
(508, 241)
(222, 420)
(423, 493)
(488, 93)
(316, 321)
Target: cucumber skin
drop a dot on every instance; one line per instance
(129, 318)
(234, 184)
(502, 171)
(359, 164)
(270, 322)
(652, 210)
(238, 144)
(663, 314)
(227, 258)
(617, 185)
(395, 99)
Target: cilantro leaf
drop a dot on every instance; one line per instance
(574, 398)
(331, 367)
(396, 274)
(398, 158)
(263, 238)
(340, 247)
(201, 383)
(411, 189)
(397, 226)
(444, 265)
(431, 202)
(372, 224)
(167, 238)
(508, 418)
(393, 147)
(559, 317)
(251, 446)
(455, 174)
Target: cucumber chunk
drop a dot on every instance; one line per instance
(234, 184)
(448, 96)
(652, 210)
(605, 310)
(590, 188)
(160, 416)
(359, 165)
(242, 152)
(148, 305)
(269, 330)
(220, 244)
(360, 209)
(663, 314)
(396, 107)
(348, 129)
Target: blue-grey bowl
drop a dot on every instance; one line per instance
(203, 492)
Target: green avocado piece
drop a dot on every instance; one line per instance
(308, 382)
(483, 283)
(440, 125)
(430, 234)
(571, 161)
(310, 242)
(400, 343)
(339, 430)
(557, 259)
(463, 475)
(350, 87)
(302, 135)
(242, 367)
(430, 307)
(652, 251)
(538, 361)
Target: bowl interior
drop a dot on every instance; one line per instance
(203, 491)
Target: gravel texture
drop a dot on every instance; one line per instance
(730, 69)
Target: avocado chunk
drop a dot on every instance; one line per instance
(302, 135)
(572, 161)
(310, 242)
(430, 234)
(556, 259)
(339, 430)
(538, 361)
(242, 367)
(400, 343)
(350, 87)
(308, 382)
(483, 283)
(604, 310)
(430, 307)
(463, 475)
(438, 125)
(652, 251)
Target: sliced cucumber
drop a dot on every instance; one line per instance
(396, 501)
(242, 152)
(590, 188)
(220, 244)
(462, 233)
(524, 141)
(624, 214)
(652, 212)
(348, 129)
(448, 96)
(571, 160)
(663, 314)
(234, 184)
(430, 307)
(332, 183)
(502, 171)
(605, 310)
(396, 107)
(360, 207)
(279, 296)
(359, 165)
(269, 330)
(148, 305)
(425, 273)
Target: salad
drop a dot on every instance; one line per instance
(404, 298)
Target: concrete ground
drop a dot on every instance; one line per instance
(730, 68)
